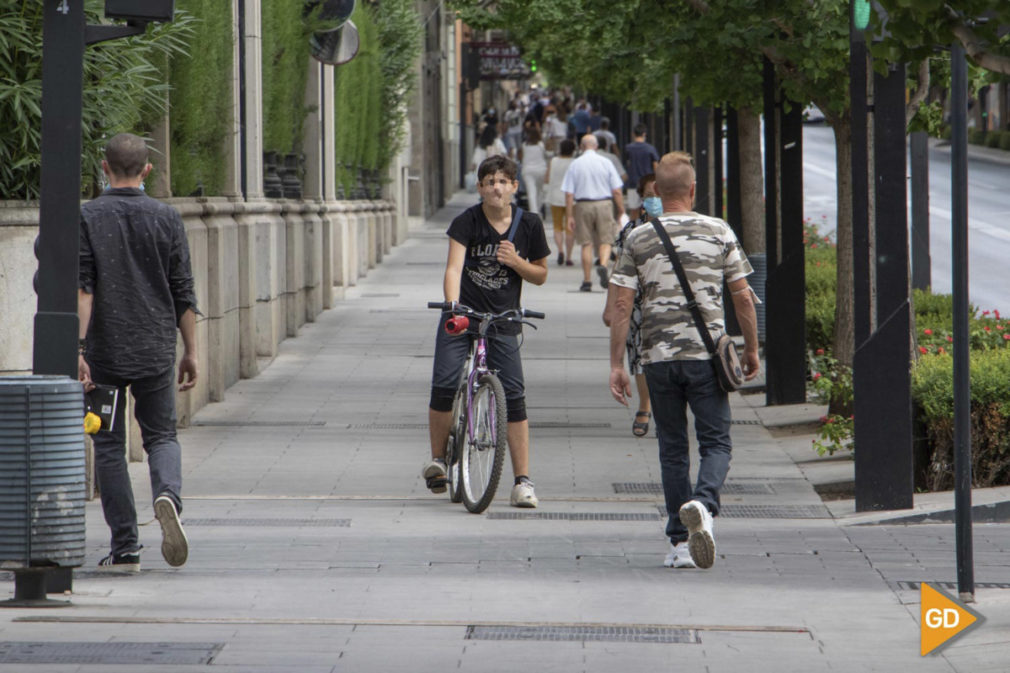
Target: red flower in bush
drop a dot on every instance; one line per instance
(1006, 337)
(950, 339)
(819, 351)
(986, 328)
(940, 350)
(996, 313)
(927, 332)
(817, 375)
(813, 245)
(923, 350)
(985, 313)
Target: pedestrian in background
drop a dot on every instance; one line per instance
(488, 145)
(678, 366)
(604, 133)
(640, 158)
(513, 127)
(533, 158)
(652, 206)
(592, 186)
(556, 169)
(136, 290)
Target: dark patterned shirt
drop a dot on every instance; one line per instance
(135, 262)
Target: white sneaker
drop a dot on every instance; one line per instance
(523, 495)
(700, 542)
(679, 557)
(434, 475)
(174, 545)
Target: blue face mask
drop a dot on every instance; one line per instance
(653, 206)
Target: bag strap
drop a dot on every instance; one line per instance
(515, 223)
(692, 303)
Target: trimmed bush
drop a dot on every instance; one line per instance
(1004, 140)
(286, 56)
(976, 136)
(821, 278)
(932, 389)
(200, 123)
(992, 139)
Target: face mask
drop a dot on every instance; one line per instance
(653, 205)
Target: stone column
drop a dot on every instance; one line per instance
(246, 214)
(341, 245)
(313, 265)
(223, 303)
(19, 225)
(271, 257)
(253, 100)
(294, 299)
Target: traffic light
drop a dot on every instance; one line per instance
(860, 14)
(533, 65)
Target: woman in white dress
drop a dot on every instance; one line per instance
(564, 239)
(533, 159)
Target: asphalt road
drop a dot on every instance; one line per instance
(988, 211)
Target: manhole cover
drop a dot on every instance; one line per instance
(272, 523)
(732, 488)
(134, 654)
(769, 512)
(610, 634)
(576, 516)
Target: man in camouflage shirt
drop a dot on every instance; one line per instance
(677, 365)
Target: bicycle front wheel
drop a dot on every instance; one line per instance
(454, 447)
(483, 450)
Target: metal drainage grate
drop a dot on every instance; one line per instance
(576, 516)
(747, 422)
(134, 654)
(273, 523)
(609, 634)
(769, 512)
(906, 585)
(732, 488)
(256, 424)
(536, 425)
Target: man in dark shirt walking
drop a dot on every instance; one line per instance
(135, 289)
(641, 159)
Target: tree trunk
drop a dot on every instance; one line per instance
(844, 315)
(751, 181)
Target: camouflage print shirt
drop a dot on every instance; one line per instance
(709, 253)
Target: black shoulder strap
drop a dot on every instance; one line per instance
(515, 223)
(692, 303)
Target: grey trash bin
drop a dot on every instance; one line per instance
(42, 480)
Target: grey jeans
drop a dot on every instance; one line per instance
(673, 386)
(154, 409)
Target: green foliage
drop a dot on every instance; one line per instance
(286, 56)
(831, 381)
(933, 391)
(359, 105)
(200, 123)
(821, 279)
(124, 89)
(400, 36)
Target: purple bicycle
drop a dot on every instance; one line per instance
(478, 436)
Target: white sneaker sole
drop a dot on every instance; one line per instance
(700, 542)
(120, 569)
(174, 545)
(431, 472)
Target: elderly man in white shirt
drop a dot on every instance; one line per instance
(592, 186)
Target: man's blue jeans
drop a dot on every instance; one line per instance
(154, 409)
(673, 385)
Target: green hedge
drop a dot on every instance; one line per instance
(286, 56)
(821, 278)
(201, 122)
(933, 392)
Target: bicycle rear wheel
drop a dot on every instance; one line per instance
(454, 447)
(483, 450)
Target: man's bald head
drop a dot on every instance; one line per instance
(589, 142)
(675, 177)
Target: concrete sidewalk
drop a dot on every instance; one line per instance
(316, 548)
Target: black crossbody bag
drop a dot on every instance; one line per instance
(724, 356)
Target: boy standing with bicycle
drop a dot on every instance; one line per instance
(491, 252)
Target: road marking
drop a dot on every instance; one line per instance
(975, 225)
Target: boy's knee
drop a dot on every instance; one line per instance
(441, 399)
(515, 410)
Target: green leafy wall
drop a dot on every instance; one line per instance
(285, 71)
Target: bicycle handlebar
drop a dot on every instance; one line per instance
(460, 309)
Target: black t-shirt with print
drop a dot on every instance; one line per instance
(487, 285)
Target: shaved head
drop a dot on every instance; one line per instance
(126, 155)
(675, 176)
(589, 142)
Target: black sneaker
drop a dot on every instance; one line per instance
(121, 563)
(601, 271)
(586, 287)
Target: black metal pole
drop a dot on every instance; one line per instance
(703, 192)
(922, 266)
(960, 347)
(56, 324)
